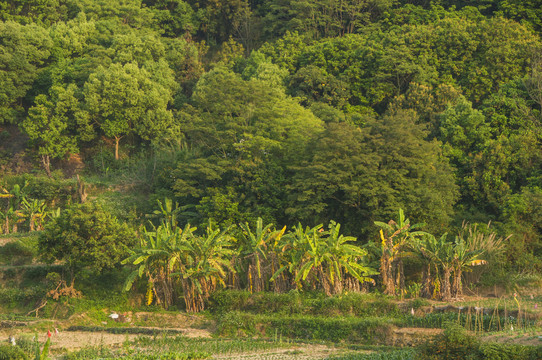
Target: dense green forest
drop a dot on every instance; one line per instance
(126, 124)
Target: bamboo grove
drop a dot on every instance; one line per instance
(175, 261)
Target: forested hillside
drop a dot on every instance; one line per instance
(279, 112)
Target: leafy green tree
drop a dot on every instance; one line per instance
(122, 99)
(521, 217)
(185, 59)
(246, 132)
(312, 84)
(117, 13)
(503, 54)
(221, 19)
(522, 11)
(137, 47)
(320, 18)
(51, 125)
(74, 38)
(85, 235)
(510, 110)
(43, 13)
(175, 17)
(360, 175)
(24, 50)
(463, 131)
(505, 165)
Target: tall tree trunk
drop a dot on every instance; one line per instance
(117, 139)
(46, 161)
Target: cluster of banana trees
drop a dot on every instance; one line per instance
(319, 259)
(177, 261)
(18, 211)
(444, 261)
(172, 258)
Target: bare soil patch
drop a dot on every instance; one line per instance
(298, 352)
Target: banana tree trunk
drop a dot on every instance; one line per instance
(427, 283)
(457, 285)
(386, 271)
(446, 288)
(400, 278)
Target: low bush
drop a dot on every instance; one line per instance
(456, 344)
(9, 352)
(453, 343)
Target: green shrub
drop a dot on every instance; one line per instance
(235, 324)
(453, 344)
(495, 351)
(85, 235)
(9, 352)
(417, 303)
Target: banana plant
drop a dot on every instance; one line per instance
(395, 236)
(10, 218)
(256, 248)
(203, 266)
(35, 212)
(153, 259)
(464, 260)
(291, 251)
(318, 258)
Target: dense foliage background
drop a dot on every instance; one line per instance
(288, 110)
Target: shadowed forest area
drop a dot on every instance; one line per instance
(359, 178)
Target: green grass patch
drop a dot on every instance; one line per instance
(305, 327)
(212, 346)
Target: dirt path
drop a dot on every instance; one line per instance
(74, 340)
(297, 352)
